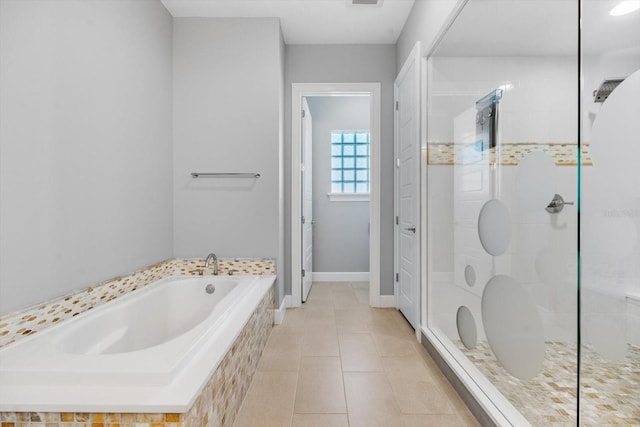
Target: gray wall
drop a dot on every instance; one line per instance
(85, 144)
(341, 230)
(338, 64)
(227, 110)
(424, 23)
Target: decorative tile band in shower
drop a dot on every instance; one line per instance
(217, 404)
(511, 154)
(18, 325)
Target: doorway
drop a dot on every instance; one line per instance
(300, 247)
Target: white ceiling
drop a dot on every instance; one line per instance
(539, 28)
(310, 21)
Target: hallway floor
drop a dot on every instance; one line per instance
(337, 362)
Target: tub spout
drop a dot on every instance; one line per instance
(214, 258)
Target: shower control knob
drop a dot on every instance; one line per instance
(557, 204)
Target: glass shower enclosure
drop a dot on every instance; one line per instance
(533, 208)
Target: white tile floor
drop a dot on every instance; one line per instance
(337, 362)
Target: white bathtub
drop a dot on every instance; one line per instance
(149, 351)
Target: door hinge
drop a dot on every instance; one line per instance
(304, 113)
(398, 163)
(303, 220)
(303, 272)
(397, 105)
(397, 277)
(397, 220)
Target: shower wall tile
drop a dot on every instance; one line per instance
(21, 324)
(511, 153)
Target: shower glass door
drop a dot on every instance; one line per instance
(610, 214)
(502, 204)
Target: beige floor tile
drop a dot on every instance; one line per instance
(294, 322)
(336, 354)
(360, 285)
(421, 397)
(415, 388)
(349, 320)
(341, 302)
(390, 346)
(320, 420)
(362, 295)
(264, 407)
(321, 364)
(325, 314)
(370, 400)
(282, 352)
(358, 353)
(407, 369)
(389, 324)
(270, 362)
(320, 388)
(370, 390)
(372, 419)
(435, 420)
(320, 345)
(319, 300)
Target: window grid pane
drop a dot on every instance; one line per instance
(350, 162)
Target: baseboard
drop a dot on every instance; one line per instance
(280, 312)
(346, 276)
(387, 301)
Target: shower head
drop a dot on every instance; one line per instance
(606, 87)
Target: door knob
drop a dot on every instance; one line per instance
(411, 229)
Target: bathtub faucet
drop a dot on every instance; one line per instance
(214, 258)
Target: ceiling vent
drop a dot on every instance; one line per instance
(364, 2)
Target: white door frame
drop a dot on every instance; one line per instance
(416, 59)
(298, 91)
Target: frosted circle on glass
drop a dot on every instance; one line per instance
(536, 181)
(466, 327)
(513, 327)
(494, 227)
(470, 275)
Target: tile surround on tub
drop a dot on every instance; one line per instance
(217, 404)
(17, 325)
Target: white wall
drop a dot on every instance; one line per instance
(540, 95)
(85, 142)
(425, 21)
(341, 229)
(344, 64)
(227, 110)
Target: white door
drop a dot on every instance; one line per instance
(407, 121)
(307, 201)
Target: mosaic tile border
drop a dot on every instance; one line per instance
(18, 325)
(511, 154)
(216, 406)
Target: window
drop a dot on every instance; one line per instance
(350, 163)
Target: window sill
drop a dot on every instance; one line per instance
(348, 197)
